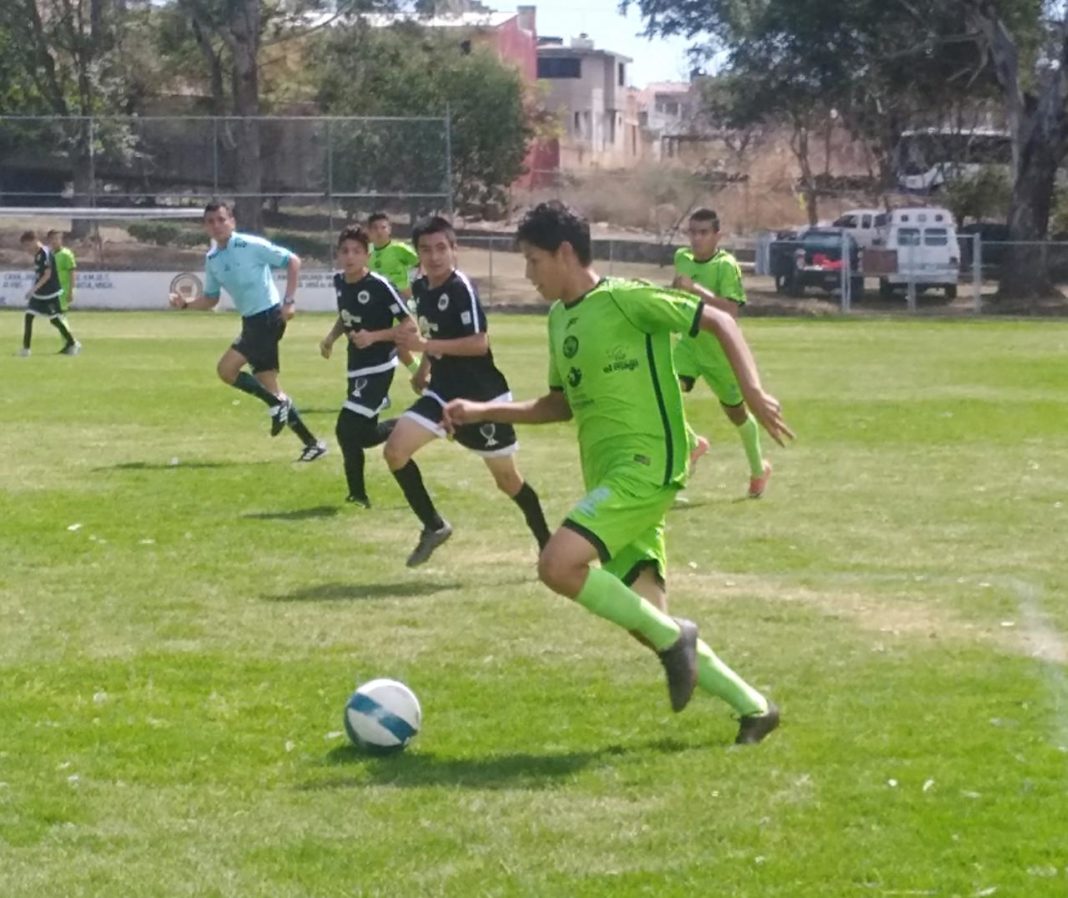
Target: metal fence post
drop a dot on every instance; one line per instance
(330, 176)
(448, 159)
(977, 273)
(611, 256)
(910, 286)
(490, 283)
(92, 161)
(215, 157)
(845, 279)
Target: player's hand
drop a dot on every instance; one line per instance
(460, 412)
(288, 311)
(407, 336)
(177, 301)
(360, 339)
(682, 282)
(768, 411)
(325, 348)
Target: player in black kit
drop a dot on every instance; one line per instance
(368, 311)
(457, 364)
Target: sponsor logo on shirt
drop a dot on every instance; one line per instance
(574, 377)
(619, 361)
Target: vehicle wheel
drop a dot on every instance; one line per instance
(886, 289)
(951, 291)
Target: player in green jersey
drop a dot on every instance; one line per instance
(393, 259)
(713, 275)
(66, 268)
(610, 368)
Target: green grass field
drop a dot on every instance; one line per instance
(184, 611)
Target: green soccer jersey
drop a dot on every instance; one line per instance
(394, 261)
(65, 264)
(722, 276)
(610, 352)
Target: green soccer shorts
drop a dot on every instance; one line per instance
(623, 519)
(710, 363)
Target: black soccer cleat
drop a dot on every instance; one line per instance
(429, 540)
(680, 665)
(754, 727)
(362, 501)
(280, 416)
(313, 451)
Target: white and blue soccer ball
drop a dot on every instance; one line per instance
(383, 716)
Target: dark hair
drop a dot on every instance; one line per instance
(376, 216)
(217, 205)
(433, 225)
(548, 225)
(54, 233)
(353, 232)
(706, 215)
(28, 237)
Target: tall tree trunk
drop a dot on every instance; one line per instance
(799, 145)
(245, 40)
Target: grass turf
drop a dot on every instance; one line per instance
(183, 613)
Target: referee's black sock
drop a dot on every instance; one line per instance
(246, 383)
(64, 332)
(411, 483)
(296, 424)
(27, 331)
(527, 500)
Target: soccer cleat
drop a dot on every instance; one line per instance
(429, 540)
(280, 415)
(313, 451)
(700, 448)
(680, 665)
(71, 348)
(757, 485)
(754, 727)
(358, 500)
(24, 352)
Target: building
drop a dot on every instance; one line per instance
(587, 89)
(672, 122)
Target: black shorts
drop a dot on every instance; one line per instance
(487, 440)
(369, 394)
(259, 338)
(44, 308)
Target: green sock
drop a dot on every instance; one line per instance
(691, 437)
(714, 676)
(750, 434)
(613, 600)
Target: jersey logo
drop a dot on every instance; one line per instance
(619, 361)
(571, 345)
(570, 321)
(489, 434)
(363, 297)
(574, 377)
(465, 317)
(348, 319)
(443, 302)
(588, 505)
(358, 386)
(425, 327)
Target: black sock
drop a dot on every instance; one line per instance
(411, 483)
(58, 324)
(296, 424)
(246, 383)
(27, 331)
(354, 465)
(527, 500)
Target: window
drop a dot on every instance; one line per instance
(936, 237)
(559, 67)
(578, 123)
(882, 220)
(865, 221)
(908, 237)
(622, 80)
(846, 221)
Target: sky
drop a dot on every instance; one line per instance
(662, 59)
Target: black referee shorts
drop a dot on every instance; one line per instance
(45, 308)
(259, 339)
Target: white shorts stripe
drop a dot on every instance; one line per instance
(495, 453)
(364, 410)
(423, 421)
(375, 369)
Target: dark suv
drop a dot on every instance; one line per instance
(813, 258)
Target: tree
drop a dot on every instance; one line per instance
(407, 70)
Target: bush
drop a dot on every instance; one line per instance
(304, 245)
(165, 233)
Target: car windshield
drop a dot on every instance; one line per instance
(936, 237)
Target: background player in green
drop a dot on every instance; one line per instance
(610, 368)
(714, 275)
(66, 268)
(392, 259)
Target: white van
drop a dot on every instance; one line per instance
(924, 240)
(861, 223)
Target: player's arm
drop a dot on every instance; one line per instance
(765, 407)
(682, 282)
(289, 303)
(421, 377)
(326, 345)
(40, 282)
(73, 282)
(547, 409)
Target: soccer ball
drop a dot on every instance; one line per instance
(383, 716)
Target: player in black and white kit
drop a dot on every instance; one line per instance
(43, 296)
(457, 364)
(368, 310)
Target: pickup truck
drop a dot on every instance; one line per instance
(812, 257)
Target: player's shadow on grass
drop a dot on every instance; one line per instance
(186, 465)
(523, 770)
(296, 514)
(363, 591)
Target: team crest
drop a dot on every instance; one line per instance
(443, 302)
(358, 386)
(571, 346)
(363, 297)
(574, 377)
(489, 434)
